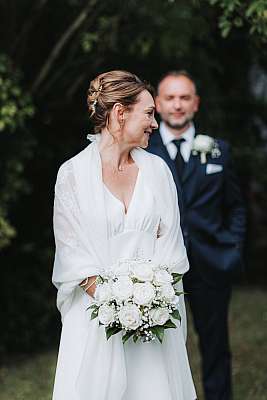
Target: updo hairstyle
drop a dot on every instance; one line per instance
(110, 88)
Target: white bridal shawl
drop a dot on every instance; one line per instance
(82, 250)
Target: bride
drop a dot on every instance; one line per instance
(112, 201)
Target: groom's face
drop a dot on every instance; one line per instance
(177, 101)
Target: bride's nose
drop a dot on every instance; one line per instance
(154, 124)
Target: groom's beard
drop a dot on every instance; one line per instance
(180, 125)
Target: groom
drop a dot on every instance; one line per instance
(212, 219)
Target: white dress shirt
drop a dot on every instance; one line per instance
(186, 146)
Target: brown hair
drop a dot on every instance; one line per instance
(110, 88)
(177, 74)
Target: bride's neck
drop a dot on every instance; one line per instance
(116, 155)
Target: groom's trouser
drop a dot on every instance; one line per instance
(209, 305)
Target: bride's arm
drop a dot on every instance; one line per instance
(74, 259)
(89, 285)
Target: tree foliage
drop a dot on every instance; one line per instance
(239, 13)
(15, 108)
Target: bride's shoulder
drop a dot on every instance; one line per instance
(158, 164)
(68, 165)
(66, 169)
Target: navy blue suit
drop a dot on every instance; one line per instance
(213, 223)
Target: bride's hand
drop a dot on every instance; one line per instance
(90, 286)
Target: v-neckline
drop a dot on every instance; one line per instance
(125, 211)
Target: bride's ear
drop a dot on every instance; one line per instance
(119, 113)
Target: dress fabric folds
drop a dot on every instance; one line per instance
(92, 231)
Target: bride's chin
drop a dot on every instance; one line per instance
(144, 144)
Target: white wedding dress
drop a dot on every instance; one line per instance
(89, 366)
(133, 235)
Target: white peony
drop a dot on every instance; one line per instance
(123, 288)
(130, 316)
(159, 315)
(106, 314)
(103, 293)
(162, 277)
(142, 271)
(143, 293)
(167, 292)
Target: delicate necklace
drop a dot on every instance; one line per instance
(119, 169)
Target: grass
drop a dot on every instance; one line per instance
(248, 332)
(32, 378)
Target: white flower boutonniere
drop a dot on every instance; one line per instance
(204, 144)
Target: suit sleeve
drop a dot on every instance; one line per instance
(234, 207)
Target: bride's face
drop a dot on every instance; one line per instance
(139, 122)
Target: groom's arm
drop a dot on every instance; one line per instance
(234, 207)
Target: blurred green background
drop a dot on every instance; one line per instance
(50, 50)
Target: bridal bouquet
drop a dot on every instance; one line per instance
(138, 298)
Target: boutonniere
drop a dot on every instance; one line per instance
(204, 145)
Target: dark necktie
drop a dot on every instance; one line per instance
(179, 161)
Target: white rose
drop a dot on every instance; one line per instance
(121, 268)
(130, 316)
(144, 293)
(159, 315)
(203, 143)
(123, 288)
(167, 292)
(162, 277)
(103, 293)
(142, 271)
(106, 314)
